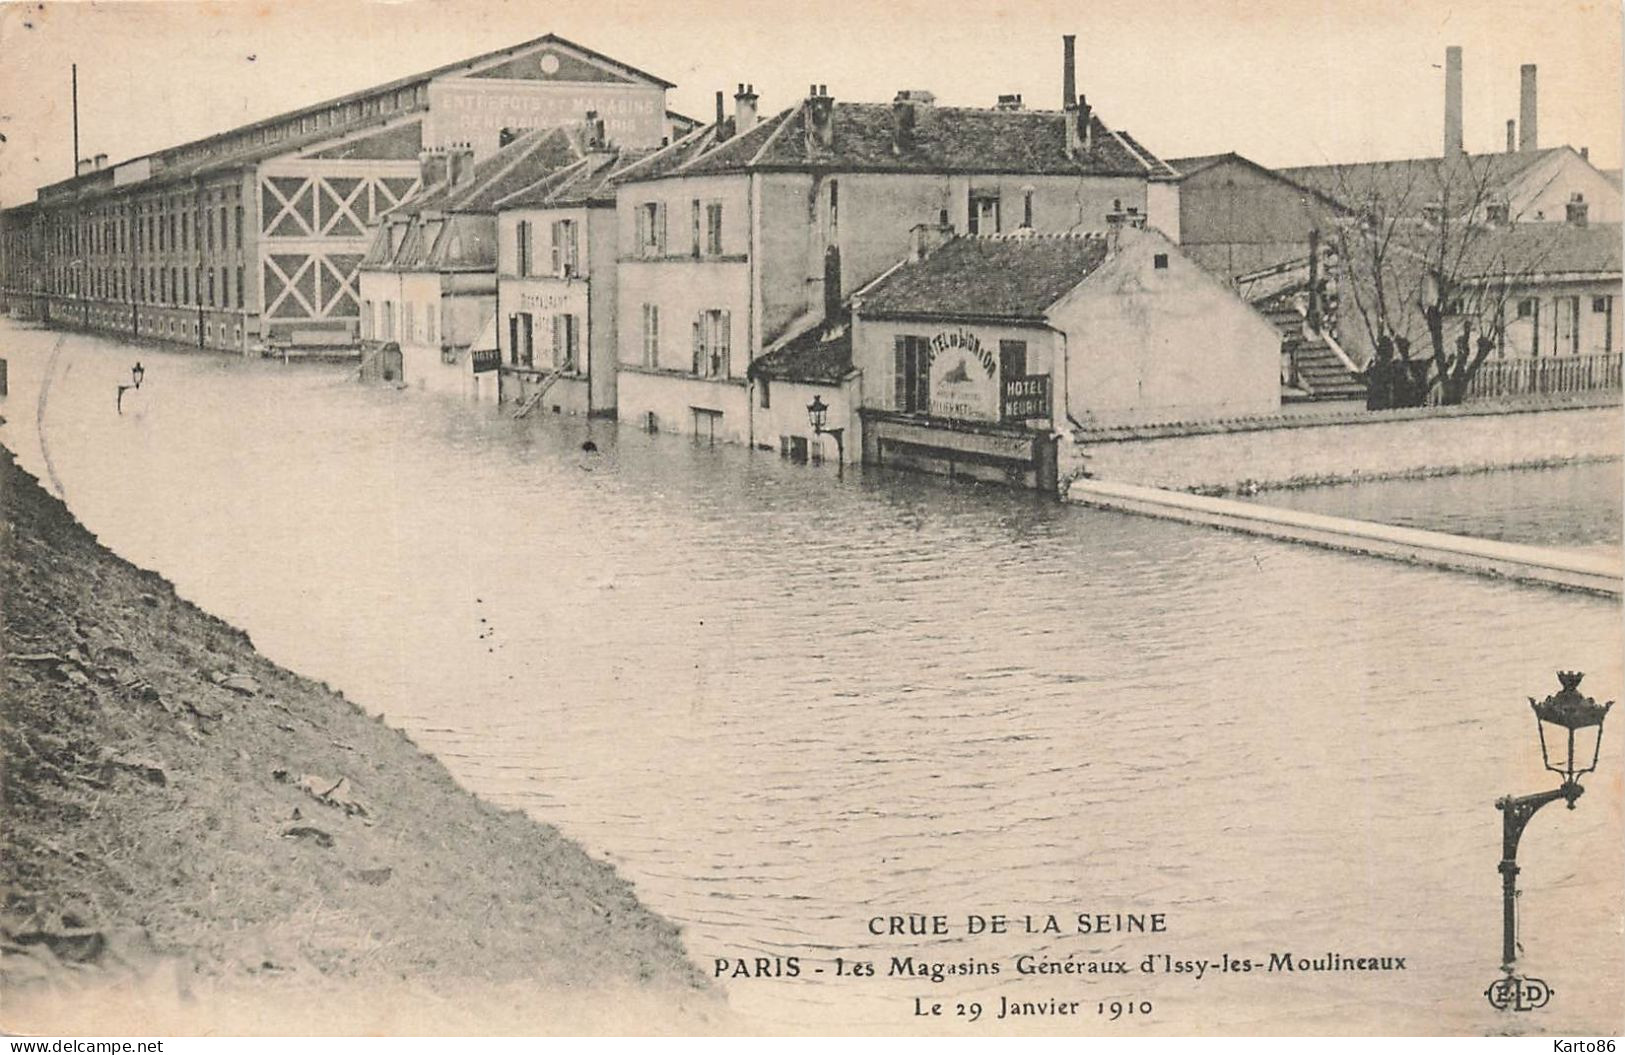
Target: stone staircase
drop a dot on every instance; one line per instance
(1321, 374)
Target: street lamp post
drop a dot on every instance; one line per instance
(818, 414)
(137, 372)
(1570, 727)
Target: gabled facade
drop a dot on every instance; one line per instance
(254, 236)
(429, 280)
(1237, 217)
(979, 356)
(752, 232)
(556, 286)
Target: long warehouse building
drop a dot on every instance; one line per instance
(255, 235)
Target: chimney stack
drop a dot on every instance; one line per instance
(1512, 135)
(1452, 102)
(926, 238)
(1079, 127)
(1009, 102)
(745, 109)
(460, 163)
(596, 139)
(902, 120)
(722, 132)
(820, 119)
(434, 167)
(1528, 139)
(1069, 71)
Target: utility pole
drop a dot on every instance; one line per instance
(76, 119)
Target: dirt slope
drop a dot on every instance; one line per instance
(171, 797)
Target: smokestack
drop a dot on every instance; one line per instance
(1528, 139)
(1069, 72)
(1512, 135)
(1452, 102)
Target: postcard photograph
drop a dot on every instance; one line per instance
(923, 519)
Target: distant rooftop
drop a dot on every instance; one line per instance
(943, 139)
(392, 99)
(589, 181)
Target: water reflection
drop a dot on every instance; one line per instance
(784, 703)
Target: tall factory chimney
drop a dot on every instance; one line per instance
(1512, 135)
(1452, 101)
(1069, 71)
(1528, 138)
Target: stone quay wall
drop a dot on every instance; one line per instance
(1247, 455)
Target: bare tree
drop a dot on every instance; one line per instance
(1429, 258)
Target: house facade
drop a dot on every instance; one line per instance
(556, 286)
(752, 233)
(983, 356)
(255, 235)
(429, 280)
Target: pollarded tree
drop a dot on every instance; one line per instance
(1430, 260)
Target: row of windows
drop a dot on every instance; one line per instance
(564, 257)
(1562, 334)
(711, 333)
(705, 221)
(564, 336)
(153, 285)
(379, 322)
(150, 227)
(334, 116)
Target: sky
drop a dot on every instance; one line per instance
(1284, 82)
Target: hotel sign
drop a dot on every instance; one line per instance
(1025, 397)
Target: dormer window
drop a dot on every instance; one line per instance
(1498, 212)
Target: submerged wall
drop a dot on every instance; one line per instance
(1283, 451)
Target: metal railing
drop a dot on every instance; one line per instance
(1553, 375)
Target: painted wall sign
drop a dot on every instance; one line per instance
(544, 301)
(962, 377)
(1025, 397)
(965, 341)
(476, 111)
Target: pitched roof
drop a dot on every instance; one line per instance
(819, 356)
(1013, 276)
(168, 154)
(590, 181)
(1528, 249)
(530, 157)
(944, 139)
(1200, 163)
(1416, 180)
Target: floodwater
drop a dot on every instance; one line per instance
(1572, 507)
(784, 703)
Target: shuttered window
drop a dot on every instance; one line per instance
(912, 383)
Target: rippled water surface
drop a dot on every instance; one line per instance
(783, 703)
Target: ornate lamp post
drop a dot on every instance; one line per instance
(818, 414)
(137, 372)
(1570, 727)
